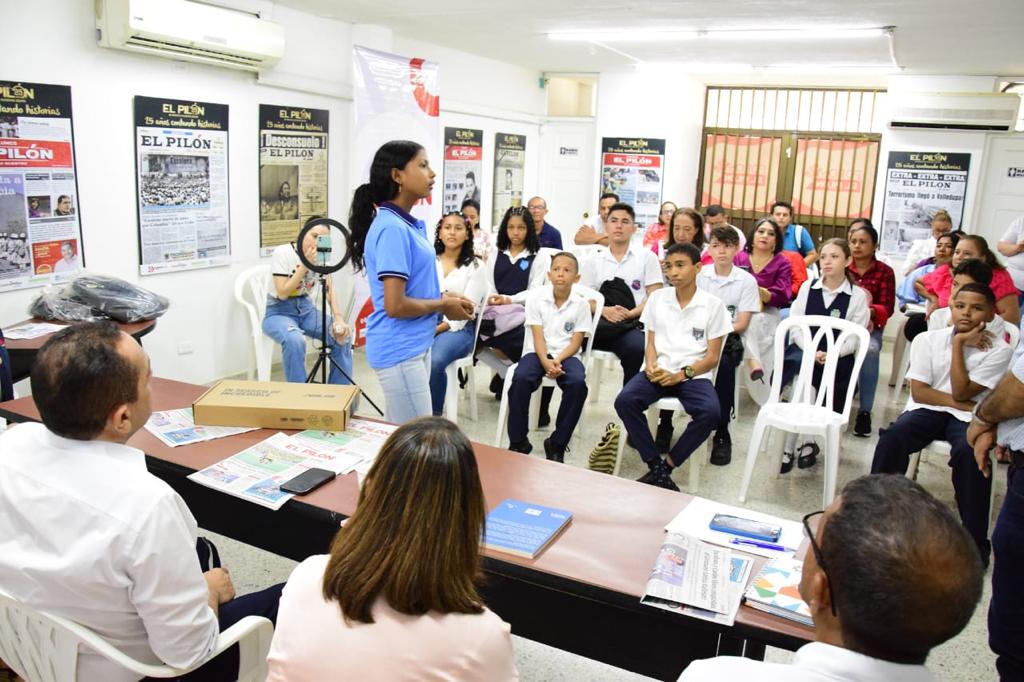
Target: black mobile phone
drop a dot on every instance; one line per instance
(308, 481)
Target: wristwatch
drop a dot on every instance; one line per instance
(688, 372)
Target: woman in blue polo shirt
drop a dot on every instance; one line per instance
(398, 257)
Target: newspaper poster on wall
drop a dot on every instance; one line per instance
(509, 162)
(917, 184)
(181, 162)
(463, 167)
(634, 168)
(293, 171)
(40, 226)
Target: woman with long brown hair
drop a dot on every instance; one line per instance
(396, 598)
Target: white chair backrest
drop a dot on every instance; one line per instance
(598, 299)
(251, 289)
(1012, 336)
(813, 330)
(36, 646)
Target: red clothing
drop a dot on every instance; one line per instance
(796, 261)
(940, 282)
(655, 236)
(880, 282)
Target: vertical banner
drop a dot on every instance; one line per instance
(634, 168)
(396, 98)
(40, 229)
(917, 184)
(181, 164)
(463, 166)
(509, 161)
(837, 177)
(741, 173)
(293, 171)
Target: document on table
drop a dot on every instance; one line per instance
(695, 519)
(177, 427)
(691, 573)
(362, 439)
(739, 574)
(32, 330)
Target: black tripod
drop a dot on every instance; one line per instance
(324, 360)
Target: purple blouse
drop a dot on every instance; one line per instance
(776, 277)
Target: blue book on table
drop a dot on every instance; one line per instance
(523, 528)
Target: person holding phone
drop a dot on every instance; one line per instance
(291, 315)
(398, 256)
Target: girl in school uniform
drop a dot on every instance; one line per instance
(833, 295)
(762, 257)
(516, 266)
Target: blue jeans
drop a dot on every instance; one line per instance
(406, 389)
(289, 323)
(1006, 610)
(448, 347)
(868, 377)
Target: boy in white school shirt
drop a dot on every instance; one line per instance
(950, 371)
(685, 331)
(737, 290)
(556, 320)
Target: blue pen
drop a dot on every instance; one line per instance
(761, 545)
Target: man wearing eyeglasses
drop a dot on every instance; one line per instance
(549, 237)
(889, 575)
(998, 422)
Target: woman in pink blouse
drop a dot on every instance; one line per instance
(396, 599)
(936, 285)
(762, 257)
(657, 231)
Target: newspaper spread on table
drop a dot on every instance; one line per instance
(692, 573)
(177, 427)
(256, 473)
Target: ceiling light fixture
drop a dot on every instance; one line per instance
(669, 35)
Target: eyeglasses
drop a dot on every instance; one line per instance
(536, 207)
(819, 558)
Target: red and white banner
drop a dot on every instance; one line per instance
(396, 98)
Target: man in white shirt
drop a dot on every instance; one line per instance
(87, 533)
(592, 231)
(890, 574)
(950, 370)
(1011, 246)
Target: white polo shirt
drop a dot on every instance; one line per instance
(681, 335)
(930, 362)
(559, 324)
(639, 268)
(857, 312)
(943, 317)
(737, 291)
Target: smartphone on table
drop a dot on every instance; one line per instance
(308, 481)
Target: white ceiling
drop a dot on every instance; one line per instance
(983, 37)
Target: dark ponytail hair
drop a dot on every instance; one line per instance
(380, 188)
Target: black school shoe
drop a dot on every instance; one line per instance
(555, 453)
(862, 425)
(721, 449)
(808, 456)
(787, 463)
(496, 386)
(660, 476)
(663, 438)
(524, 446)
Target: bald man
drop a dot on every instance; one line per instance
(548, 235)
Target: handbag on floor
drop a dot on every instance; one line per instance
(602, 458)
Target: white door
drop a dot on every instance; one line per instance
(1000, 198)
(567, 180)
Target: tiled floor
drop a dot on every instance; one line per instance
(965, 658)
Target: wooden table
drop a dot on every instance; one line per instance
(582, 594)
(23, 351)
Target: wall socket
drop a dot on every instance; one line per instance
(185, 347)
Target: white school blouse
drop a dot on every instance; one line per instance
(468, 280)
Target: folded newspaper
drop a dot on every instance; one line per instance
(697, 579)
(256, 473)
(177, 427)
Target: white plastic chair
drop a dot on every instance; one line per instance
(901, 352)
(451, 396)
(41, 647)
(809, 412)
(251, 289)
(501, 431)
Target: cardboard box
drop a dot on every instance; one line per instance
(276, 405)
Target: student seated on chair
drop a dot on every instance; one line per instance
(686, 328)
(889, 576)
(556, 319)
(950, 370)
(834, 295)
(737, 289)
(397, 598)
(90, 535)
(291, 315)
(970, 270)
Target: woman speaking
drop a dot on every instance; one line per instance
(399, 259)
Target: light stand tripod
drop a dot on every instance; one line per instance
(324, 360)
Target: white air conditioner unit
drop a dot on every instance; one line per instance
(190, 31)
(954, 110)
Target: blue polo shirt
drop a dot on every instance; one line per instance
(397, 245)
(806, 244)
(550, 237)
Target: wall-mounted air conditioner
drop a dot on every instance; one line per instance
(190, 31)
(953, 111)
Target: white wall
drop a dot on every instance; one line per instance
(103, 83)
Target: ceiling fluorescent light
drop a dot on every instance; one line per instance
(625, 36)
(663, 35)
(825, 67)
